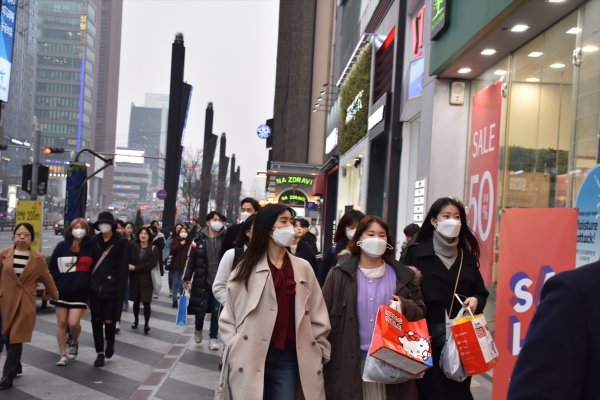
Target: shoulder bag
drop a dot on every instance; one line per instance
(222, 390)
(156, 278)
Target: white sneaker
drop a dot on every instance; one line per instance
(198, 336)
(213, 345)
(63, 361)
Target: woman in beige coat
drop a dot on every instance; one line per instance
(275, 322)
(21, 267)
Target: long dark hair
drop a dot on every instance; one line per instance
(149, 231)
(261, 231)
(364, 225)
(350, 218)
(466, 238)
(241, 238)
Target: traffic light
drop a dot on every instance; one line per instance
(53, 150)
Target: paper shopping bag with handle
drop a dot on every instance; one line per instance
(474, 342)
(401, 343)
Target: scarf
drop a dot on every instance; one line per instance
(446, 251)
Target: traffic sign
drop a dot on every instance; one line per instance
(161, 194)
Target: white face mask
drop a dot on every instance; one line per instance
(449, 228)
(374, 247)
(104, 228)
(283, 236)
(350, 233)
(78, 233)
(216, 225)
(244, 215)
(183, 235)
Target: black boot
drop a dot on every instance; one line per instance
(6, 383)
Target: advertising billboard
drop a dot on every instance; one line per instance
(8, 19)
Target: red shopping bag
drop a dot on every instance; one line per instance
(474, 342)
(401, 343)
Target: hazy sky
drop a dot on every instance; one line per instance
(231, 48)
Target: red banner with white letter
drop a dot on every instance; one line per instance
(535, 244)
(484, 153)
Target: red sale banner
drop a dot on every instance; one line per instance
(535, 244)
(484, 153)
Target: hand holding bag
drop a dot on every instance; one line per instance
(222, 391)
(182, 310)
(379, 371)
(450, 363)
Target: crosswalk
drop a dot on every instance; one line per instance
(165, 364)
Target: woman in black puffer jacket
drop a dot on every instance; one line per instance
(196, 273)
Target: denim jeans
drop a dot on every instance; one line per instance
(281, 374)
(177, 281)
(212, 306)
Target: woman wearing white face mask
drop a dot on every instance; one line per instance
(344, 232)
(70, 266)
(447, 253)
(179, 252)
(274, 322)
(354, 289)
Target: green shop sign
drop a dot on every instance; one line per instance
(439, 17)
(291, 179)
(354, 102)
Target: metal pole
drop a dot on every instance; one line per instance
(36, 159)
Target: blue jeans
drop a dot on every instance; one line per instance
(176, 282)
(212, 306)
(281, 374)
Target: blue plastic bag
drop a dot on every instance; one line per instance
(182, 311)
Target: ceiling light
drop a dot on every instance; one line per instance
(322, 92)
(532, 79)
(464, 70)
(574, 30)
(500, 72)
(557, 65)
(556, 1)
(519, 28)
(535, 54)
(589, 48)
(488, 52)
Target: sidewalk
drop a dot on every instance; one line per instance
(481, 386)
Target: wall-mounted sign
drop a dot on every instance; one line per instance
(588, 227)
(419, 201)
(263, 131)
(331, 141)
(418, 24)
(293, 197)
(376, 117)
(439, 17)
(354, 107)
(294, 179)
(7, 33)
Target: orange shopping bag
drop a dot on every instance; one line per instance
(401, 343)
(474, 342)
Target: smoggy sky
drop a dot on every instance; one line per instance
(231, 49)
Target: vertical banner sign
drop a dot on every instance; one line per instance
(30, 211)
(76, 192)
(7, 34)
(535, 244)
(588, 229)
(484, 154)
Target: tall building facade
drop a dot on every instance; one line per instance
(64, 85)
(108, 51)
(145, 134)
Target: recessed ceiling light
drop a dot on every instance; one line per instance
(557, 65)
(464, 70)
(488, 52)
(519, 28)
(532, 79)
(589, 48)
(556, 1)
(500, 72)
(535, 54)
(574, 30)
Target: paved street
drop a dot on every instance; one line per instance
(166, 364)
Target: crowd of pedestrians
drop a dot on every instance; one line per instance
(292, 321)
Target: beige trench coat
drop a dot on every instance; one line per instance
(17, 294)
(246, 325)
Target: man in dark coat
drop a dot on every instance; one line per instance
(560, 357)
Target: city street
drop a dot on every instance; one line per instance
(166, 364)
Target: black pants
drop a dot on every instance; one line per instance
(103, 310)
(136, 311)
(13, 360)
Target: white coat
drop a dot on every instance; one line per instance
(246, 325)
